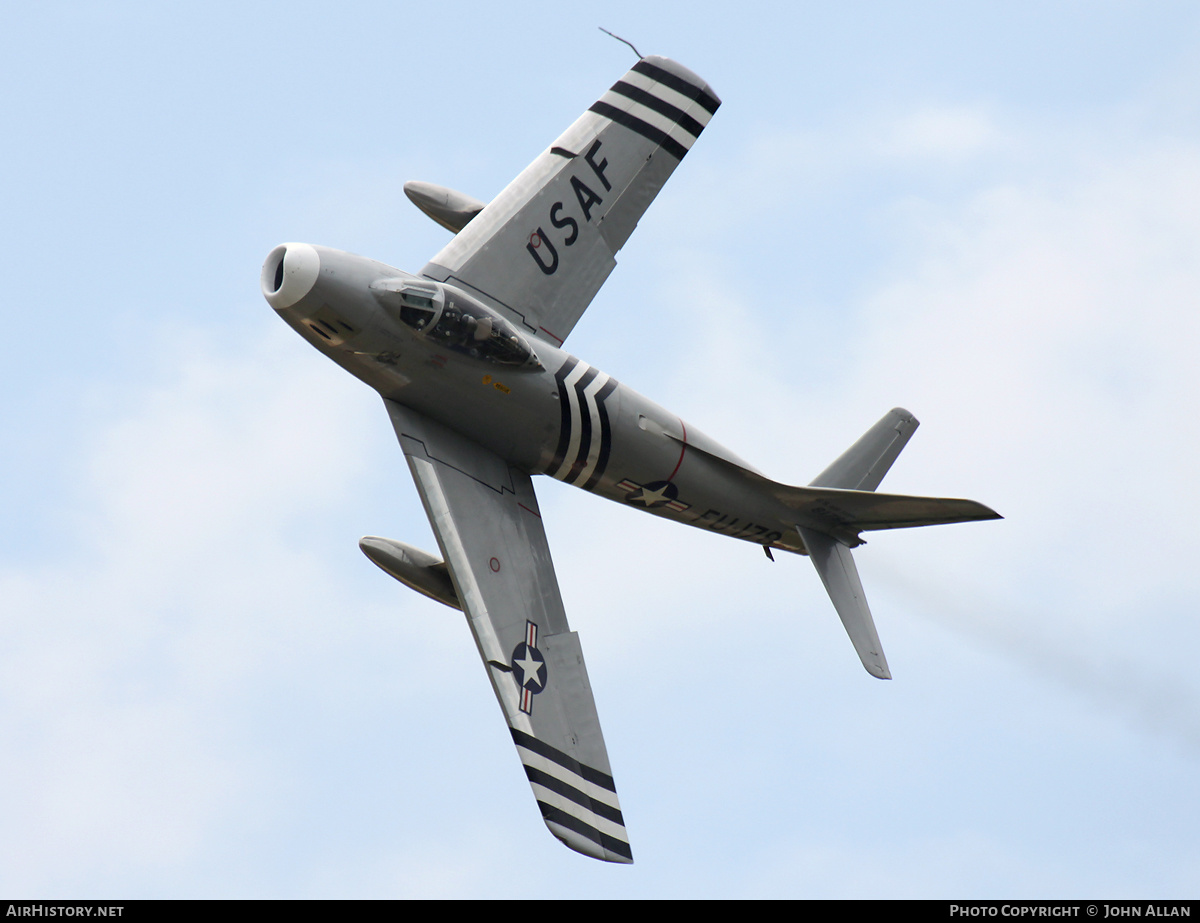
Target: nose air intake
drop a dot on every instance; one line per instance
(289, 274)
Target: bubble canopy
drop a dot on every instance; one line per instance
(455, 320)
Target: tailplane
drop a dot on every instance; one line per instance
(840, 503)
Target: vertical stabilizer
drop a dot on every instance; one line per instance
(863, 465)
(835, 564)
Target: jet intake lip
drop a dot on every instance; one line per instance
(289, 273)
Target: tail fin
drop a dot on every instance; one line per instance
(863, 465)
(841, 502)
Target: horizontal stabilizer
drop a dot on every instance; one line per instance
(451, 209)
(840, 504)
(835, 564)
(829, 509)
(863, 465)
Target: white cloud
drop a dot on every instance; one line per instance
(132, 656)
(941, 134)
(205, 688)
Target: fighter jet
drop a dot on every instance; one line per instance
(468, 357)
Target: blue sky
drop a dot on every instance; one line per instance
(986, 213)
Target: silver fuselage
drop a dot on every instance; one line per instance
(554, 415)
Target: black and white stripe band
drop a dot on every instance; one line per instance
(585, 435)
(573, 796)
(659, 106)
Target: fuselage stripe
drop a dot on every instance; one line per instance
(568, 396)
(589, 449)
(605, 435)
(581, 371)
(581, 441)
(585, 431)
(564, 430)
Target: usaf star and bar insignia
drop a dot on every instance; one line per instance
(529, 668)
(653, 495)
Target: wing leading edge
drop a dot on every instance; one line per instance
(543, 247)
(486, 519)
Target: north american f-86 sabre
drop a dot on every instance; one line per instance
(467, 355)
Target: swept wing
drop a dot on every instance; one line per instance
(486, 519)
(542, 248)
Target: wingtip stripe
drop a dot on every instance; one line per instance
(531, 743)
(566, 790)
(658, 104)
(573, 779)
(669, 127)
(610, 843)
(667, 95)
(690, 90)
(593, 820)
(634, 124)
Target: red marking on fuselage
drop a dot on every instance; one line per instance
(556, 336)
(682, 449)
(528, 510)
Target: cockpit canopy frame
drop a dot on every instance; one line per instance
(451, 318)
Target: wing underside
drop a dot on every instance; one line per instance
(542, 248)
(486, 519)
